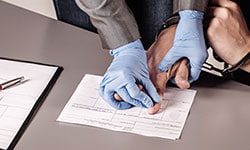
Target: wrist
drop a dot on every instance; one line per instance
(243, 64)
(162, 45)
(171, 21)
(191, 14)
(246, 66)
(238, 52)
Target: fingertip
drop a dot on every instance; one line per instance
(151, 111)
(154, 109)
(181, 78)
(117, 97)
(182, 81)
(183, 84)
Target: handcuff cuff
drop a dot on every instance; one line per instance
(174, 19)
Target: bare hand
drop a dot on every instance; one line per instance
(227, 31)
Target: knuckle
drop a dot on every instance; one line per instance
(234, 5)
(123, 73)
(139, 96)
(147, 102)
(138, 104)
(225, 13)
(214, 24)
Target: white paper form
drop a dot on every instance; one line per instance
(17, 102)
(87, 108)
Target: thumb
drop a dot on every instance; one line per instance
(181, 77)
(169, 59)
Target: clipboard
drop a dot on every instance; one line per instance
(53, 76)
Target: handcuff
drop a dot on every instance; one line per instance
(174, 19)
(237, 65)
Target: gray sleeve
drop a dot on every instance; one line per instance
(199, 5)
(113, 19)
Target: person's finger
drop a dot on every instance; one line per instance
(118, 98)
(151, 91)
(162, 80)
(219, 12)
(182, 73)
(154, 109)
(161, 88)
(141, 88)
(123, 93)
(108, 95)
(169, 59)
(137, 94)
(151, 111)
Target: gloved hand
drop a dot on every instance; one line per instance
(128, 68)
(189, 42)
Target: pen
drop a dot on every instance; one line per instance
(11, 83)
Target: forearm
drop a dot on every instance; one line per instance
(113, 19)
(199, 5)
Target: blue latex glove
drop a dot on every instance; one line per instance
(189, 42)
(128, 68)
